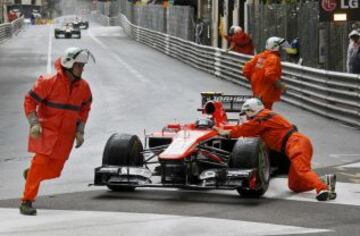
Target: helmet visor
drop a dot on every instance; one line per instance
(83, 56)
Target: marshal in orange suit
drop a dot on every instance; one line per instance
(281, 136)
(264, 72)
(57, 108)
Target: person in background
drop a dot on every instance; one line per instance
(264, 72)
(57, 108)
(32, 18)
(293, 52)
(239, 41)
(353, 53)
(12, 15)
(282, 136)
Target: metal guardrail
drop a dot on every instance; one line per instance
(17, 24)
(5, 31)
(8, 29)
(331, 94)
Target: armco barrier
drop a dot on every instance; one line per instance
(8, 29)
(5, 31)
(331, 94)
(17, 24)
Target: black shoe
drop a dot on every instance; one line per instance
(325, 195)
(25, 173)
(26, 208)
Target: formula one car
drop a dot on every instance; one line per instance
(79, 23)
(67, 31)
(192, 156)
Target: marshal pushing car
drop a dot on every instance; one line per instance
(192, 155)
(67, 31)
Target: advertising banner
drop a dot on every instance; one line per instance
(339, 10)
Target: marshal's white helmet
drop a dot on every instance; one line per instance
(78, 55)
(235, 29)
(275, 43)
(354, 33)
(252, 107)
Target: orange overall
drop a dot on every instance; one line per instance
(242, 43)
(60, 105)
(274, 130)
(263, 72)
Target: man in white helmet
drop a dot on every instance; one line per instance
(281, 136)
(239, 41)
(353, 52)
(264, 72)
(57, 108)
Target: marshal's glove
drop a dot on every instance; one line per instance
(79, 139)
(79, 136)
(35, 127)
(223, 132)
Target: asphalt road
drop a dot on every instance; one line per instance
(136, 88)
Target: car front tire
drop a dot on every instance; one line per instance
(251, 153)
(123, 150)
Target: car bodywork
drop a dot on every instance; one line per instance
(67, 31)
(191, 156)
(79, 23)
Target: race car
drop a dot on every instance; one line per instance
(79, 23)
(67, 31)
(190, 156)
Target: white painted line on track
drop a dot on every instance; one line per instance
(344, 155)
(97, 40)
(59, 222)
(48, 67)
(347, 193)
(131, 69)
(352, 165)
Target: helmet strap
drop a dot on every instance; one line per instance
(70, 70)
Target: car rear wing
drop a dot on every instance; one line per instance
(231, 103)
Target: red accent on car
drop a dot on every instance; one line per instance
(252, 181)
(184, 143)
(175, 126)
(211, 156)
(217, 111)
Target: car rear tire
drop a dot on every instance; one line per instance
(251, 153)
(123, 150)
(117, 188)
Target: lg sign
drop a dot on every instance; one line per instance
(349, 4)
(349, 7)
(330, 5)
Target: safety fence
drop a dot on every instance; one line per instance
(331, 94)
(322, 44)
(8, 29)
(173, 20)
(5, 31)
(102, 19)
